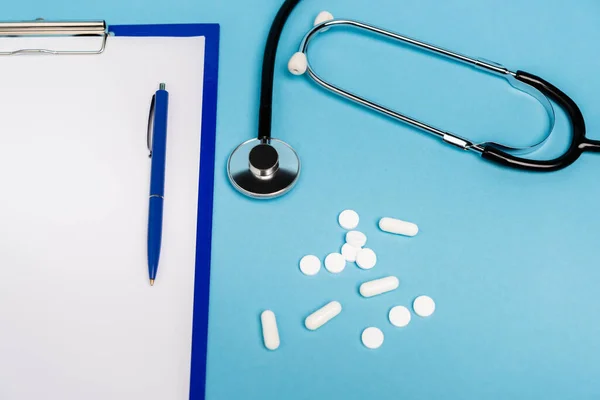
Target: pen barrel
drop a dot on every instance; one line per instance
(159, 143)
(155, 221)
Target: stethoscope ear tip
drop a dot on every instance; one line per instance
(324, 16)
(263, 169)
(298, 63)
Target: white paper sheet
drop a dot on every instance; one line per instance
(78, 319)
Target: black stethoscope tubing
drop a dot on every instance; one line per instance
(265, 112)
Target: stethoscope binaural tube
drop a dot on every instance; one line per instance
(265, 167)
(491, 151)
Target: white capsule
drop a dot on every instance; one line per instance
(269, 329)
(356, 238)
(322, 315)
(323, 16)
(398, 227)
(298, 63)
(379, 286)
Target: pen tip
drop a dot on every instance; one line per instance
(151, 282)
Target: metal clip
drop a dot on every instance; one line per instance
(42, 28)
(150, 126)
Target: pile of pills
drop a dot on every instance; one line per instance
(354, 251)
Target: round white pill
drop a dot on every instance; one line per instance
(366, 258)
(399, 316)
(335, 263)
(310, 265)
(349, 252)
(372, 338)
(348, 219)
(424, 306)
(356, 238)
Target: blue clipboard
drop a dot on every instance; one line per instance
(206, 183)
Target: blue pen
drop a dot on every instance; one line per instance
(157, 144)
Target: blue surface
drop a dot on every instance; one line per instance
(509, 257)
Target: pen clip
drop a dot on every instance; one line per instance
(150, 126)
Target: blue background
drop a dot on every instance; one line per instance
(510, 257)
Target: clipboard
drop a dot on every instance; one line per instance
(210, 32)
(206, 185)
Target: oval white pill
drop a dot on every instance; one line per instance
(349, 252)
(379, 286)
(424, 306)
(366, 258)
(310, 265)
(322, 315)
(398, 227)
(269, 329)
(356, 238)
(348, 219)
(372, 338)
(335, 263)
(399, 316)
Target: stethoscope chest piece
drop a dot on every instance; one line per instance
(263, 168)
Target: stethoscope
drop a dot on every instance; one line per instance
(266, 167)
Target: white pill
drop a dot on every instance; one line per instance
(298, 64)
(310, 265)
(399, 316)
(323, 315)
(323, 16)
(398, 227)
(372, 338)
(335, 263)
(349, 252)
(356, 238)
(366, 258)
(424, 306)
(379, 286)
(269, 329)
(348, 219)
